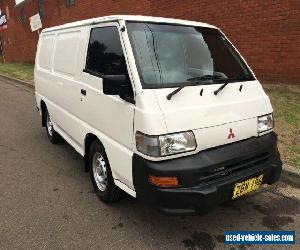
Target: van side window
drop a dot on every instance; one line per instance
(105, 55)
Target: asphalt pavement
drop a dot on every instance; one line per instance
(47, 200)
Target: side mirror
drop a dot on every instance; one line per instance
(116, 85)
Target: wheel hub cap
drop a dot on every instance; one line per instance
(49, 125)
(99, 171)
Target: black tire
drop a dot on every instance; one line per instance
(53, 136)
(107, 192)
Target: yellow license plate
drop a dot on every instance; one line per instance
(247, 186)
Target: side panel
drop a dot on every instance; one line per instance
(67, 89)
(56, 82)
(45, 57)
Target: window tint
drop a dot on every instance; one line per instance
(105, 54)
(70, 3)
(41, 8)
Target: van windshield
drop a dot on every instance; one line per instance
(176, 55)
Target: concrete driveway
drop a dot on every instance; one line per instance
(47, 200)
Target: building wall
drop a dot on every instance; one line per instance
(266, 32)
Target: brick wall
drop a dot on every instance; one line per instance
(266, 32)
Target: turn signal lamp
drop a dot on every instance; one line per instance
(164, 181)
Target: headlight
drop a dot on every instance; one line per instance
(163, 145)
(265, 123)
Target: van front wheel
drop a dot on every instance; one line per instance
(101, 175)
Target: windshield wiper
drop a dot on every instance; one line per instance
(169, 96)
(206, 77)
(196, 80)
(220, 88)
(231, 79)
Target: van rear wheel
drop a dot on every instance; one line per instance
(101, 174)
(53, 136)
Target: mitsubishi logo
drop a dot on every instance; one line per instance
(231, 135)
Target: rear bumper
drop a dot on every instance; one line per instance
(207, 178)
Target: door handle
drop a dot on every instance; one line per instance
(83, 91)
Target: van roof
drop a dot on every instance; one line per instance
(127, 18)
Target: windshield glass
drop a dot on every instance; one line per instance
(176, 55)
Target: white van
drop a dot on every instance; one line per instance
(166, 110)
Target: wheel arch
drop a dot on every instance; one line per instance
(43, 110)
(89, 139)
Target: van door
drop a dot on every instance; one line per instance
(110, 116)
(60, 87)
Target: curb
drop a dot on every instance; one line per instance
(28, 84)
(289, 174)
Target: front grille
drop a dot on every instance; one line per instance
(225, 170)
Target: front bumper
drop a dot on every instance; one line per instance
(207, 178)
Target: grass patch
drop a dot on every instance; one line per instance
(22, 71)
(286, 104)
